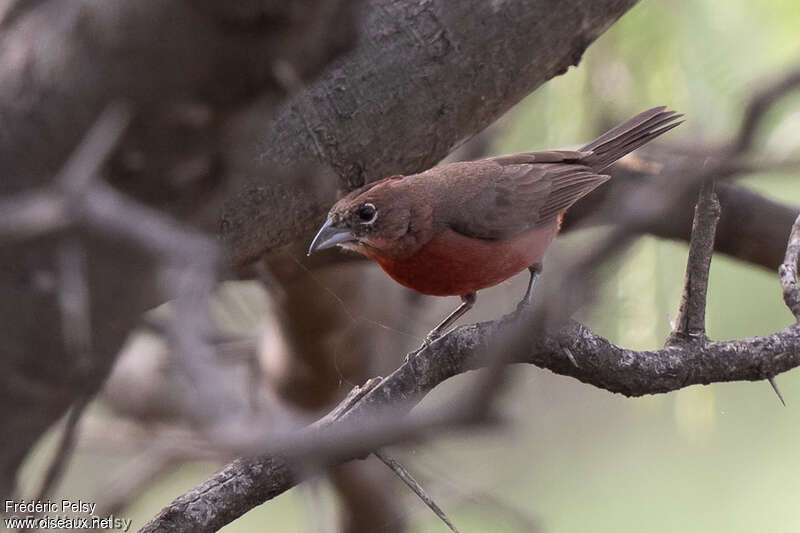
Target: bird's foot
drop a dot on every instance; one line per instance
(522, 306)
(525, 304)
(430, 338)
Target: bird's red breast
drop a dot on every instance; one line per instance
(452, 264)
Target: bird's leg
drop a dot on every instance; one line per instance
(467, 301)
(535, 269)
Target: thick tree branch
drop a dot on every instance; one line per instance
(248, 482)
(425, 76)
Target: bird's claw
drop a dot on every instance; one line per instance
(411, 355)
(430, 338)
(426, 343)
(522, 306)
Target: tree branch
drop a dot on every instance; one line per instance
(758, 106)
(752, 228)
(248, 482)
(573, 350)
(690, 325)
(391, 108)
(66, 446)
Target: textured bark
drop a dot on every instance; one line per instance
(226, 496)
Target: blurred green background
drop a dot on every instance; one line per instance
(717, 458)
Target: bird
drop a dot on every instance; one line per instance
(461, 227)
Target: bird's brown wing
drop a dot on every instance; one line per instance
(520, 192)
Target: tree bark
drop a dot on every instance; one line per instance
(573, 351)
(426, 76)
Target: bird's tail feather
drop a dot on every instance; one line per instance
(629, 136)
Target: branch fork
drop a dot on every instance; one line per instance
(690, 325)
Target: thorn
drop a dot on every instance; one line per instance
(571, 357)
(772, 382)
(406, 477)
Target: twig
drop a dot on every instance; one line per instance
(788, 271)
(66, 445)
(98, 143)
(73, 179)
(30, 215)
(461, 493)
(690, 325)
(76, 329)
(758, 106)
(412, 483)
(55, 207)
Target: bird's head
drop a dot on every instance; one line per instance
(379, 219)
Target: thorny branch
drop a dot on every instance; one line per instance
(250, 481)
(100, 208)
(690, 325)
(574, 351)
(553, 342)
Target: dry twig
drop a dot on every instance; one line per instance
(412, 483)
(690, 324)
(66, 446)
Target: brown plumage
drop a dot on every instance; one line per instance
(462, 227)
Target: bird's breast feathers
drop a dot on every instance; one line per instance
(452, 264)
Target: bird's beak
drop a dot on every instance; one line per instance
(329, 236)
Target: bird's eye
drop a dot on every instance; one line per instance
(366, 213)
